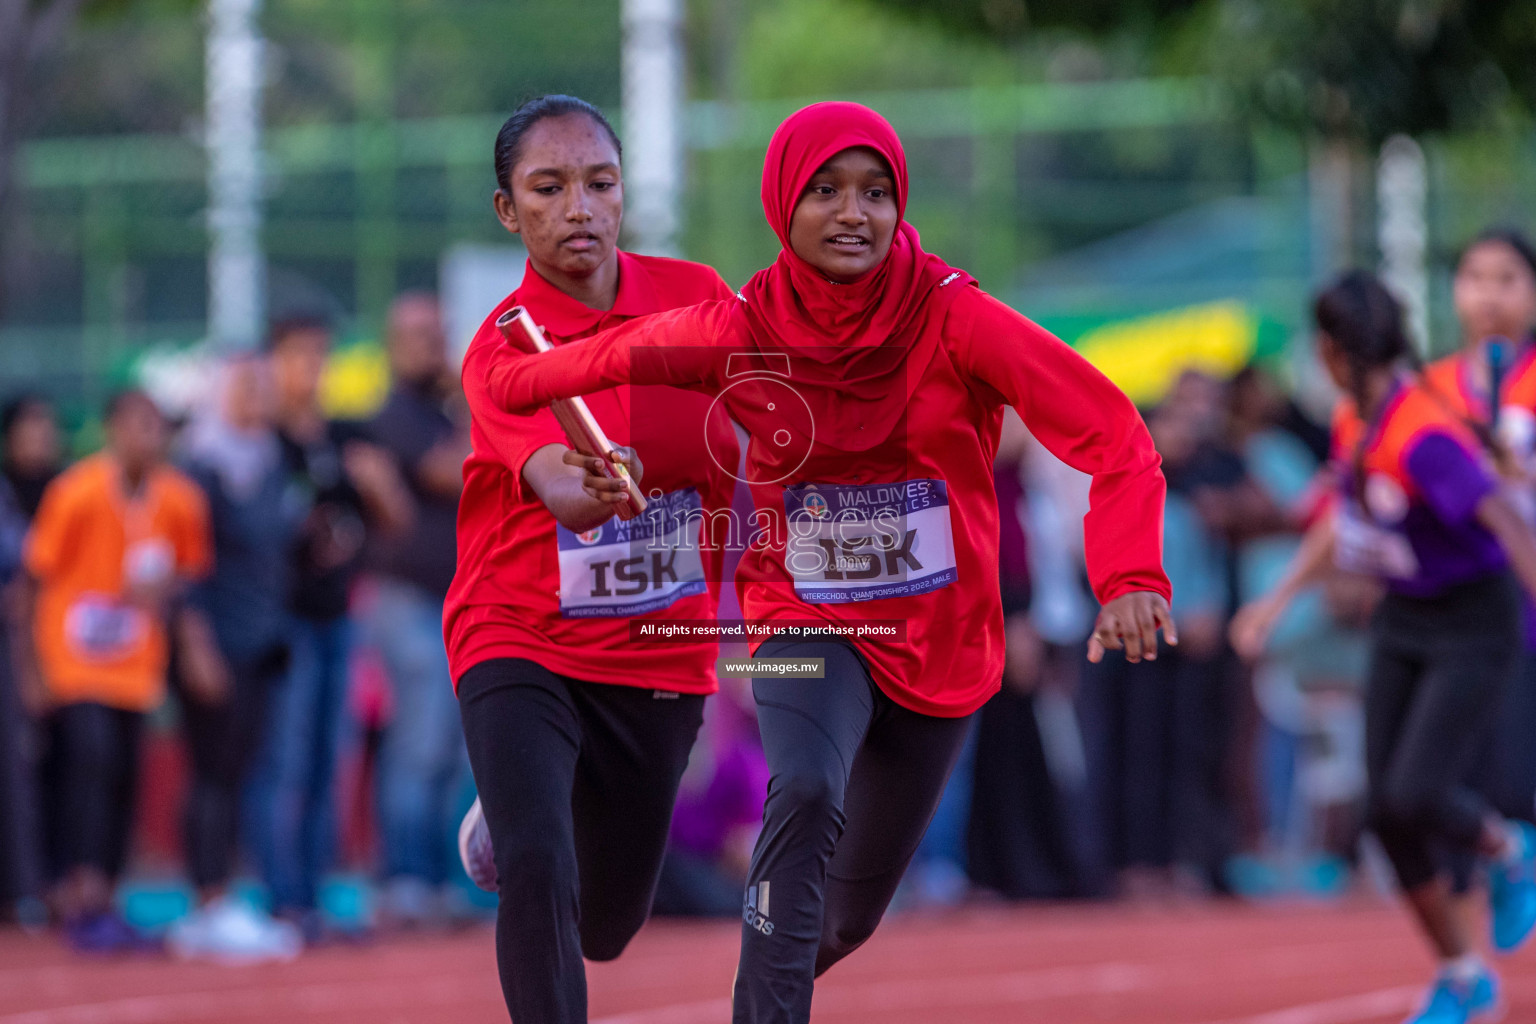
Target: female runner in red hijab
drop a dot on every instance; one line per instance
(872, 377)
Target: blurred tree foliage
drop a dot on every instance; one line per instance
(1358, 69)
(1013, 19)
(1367, 69)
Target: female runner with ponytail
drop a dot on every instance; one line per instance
(577, 737)
(1419, 507)
(871, 378)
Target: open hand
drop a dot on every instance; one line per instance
(1130, 623)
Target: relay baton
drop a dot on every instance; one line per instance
(575, 418)
(1497, 367)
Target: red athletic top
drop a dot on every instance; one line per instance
(528, 588)
(933, 561)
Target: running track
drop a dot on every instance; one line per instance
(1193, 964)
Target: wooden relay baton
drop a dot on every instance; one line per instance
(575, 418)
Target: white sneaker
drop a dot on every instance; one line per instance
(231, 931)
(475, 851)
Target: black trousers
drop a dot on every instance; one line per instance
(91, 775)
(1156, 738)
(1031, 834)
(1510, 778)
(20, 843)
(577, 781)
(1439, 671)
(854, 781)
(222, 741)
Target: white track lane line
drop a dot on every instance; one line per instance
(265, 1003)
(1384, 1002)
(931, 993)
(904, 994)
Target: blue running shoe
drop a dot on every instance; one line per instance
(1455, 1001)
(1512, 893)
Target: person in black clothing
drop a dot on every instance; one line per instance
(1028, 834)
(339, 486)
(20, 866)
(422, 760)
(31, 455)
(235, 633)
(29, 460)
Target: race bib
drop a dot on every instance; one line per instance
(1517, 432)
(99, 629)
(1362, 546)
(863, 542)
(633, 567)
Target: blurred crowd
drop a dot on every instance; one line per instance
(228, 574)
(1196, 774)
(247, 576)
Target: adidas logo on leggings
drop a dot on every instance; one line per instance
(755, 913)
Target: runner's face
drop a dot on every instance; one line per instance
(846, 217)
(567, 198)
(1334, 361)
(1494, 292)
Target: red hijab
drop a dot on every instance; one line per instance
(863, 346)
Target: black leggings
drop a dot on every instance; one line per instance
(855, 779)
(1438, 674)
(91, 772)
(222, 740)
(577, 781)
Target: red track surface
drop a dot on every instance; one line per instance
(1188, 965)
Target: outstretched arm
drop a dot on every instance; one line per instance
(676, 347)
(1255, 620)
(1088, 423)
(1497, 514)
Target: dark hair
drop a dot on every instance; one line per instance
(118, 400)
(20, 406)
(295, 323)
(509, 141)
(1505, 234)
(1365, 321)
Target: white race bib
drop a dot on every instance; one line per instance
(1517, 430)
(1364, 547)
(633, 567)
(861, 542)
(98, 628)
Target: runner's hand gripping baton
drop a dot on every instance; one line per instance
(575, 418)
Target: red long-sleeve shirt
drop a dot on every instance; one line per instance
(528, 588)
(936, 473)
